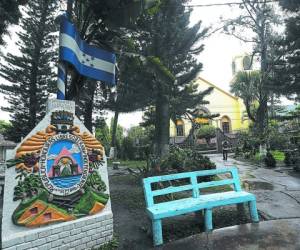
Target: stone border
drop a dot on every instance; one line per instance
(85, 233)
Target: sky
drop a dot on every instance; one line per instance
(216, 58)
(218, 52)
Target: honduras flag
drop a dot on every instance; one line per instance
(88, 60)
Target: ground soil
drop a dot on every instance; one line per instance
(133, 228)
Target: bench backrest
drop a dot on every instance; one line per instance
(193, 185)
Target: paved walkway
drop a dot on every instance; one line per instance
(267, 235)
(276, 190)
(278, 201)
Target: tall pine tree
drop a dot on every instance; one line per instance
(286, 80)
(104, 24)
(29, 76)
(171, 43)
(9, 14)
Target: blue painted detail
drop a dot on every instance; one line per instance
(157, 232)
(197, 201)
(61, 174)
(253, 211)
(61, 74)
(97, 74)
(208, 220)
(61, 81)
(68, 28)
(60, 95)
(89, 61)
(65, 182)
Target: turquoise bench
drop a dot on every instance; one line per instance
(197, 201)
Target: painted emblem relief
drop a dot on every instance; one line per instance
(58, 174)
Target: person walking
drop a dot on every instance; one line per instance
(225, 149)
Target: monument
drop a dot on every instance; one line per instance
(56, 186)
(56, 193)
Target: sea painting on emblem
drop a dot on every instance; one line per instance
(64, 164)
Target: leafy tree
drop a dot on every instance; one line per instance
(171, 45)
(246, 86)
(136, 145)
(4, 127)
(286, 80)
(130, 94)
(92, 103)
(256, 26)
(102, 133)
(29, 75)
(105, 24)
(9, 14)
(206, 132)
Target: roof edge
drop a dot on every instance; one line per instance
(218, 88)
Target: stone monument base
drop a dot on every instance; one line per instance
(87, 232)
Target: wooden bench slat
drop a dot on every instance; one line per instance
(171, 189)
(187, 205)
(196, 201)
(189, 174)
(215, 183)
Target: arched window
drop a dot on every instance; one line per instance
(179, 128)
(226, 124)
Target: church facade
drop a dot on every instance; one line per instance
(231, 109)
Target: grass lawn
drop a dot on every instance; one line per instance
(128, 163)
(278, 155)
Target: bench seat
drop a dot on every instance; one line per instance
(198, 201)
(188, 205)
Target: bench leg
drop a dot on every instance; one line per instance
(253, 211)
(157, 232)
(208, 220)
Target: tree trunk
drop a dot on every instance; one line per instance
(114, 129)
(262, 117)
(89, 106)
(262, 111)
(162, 126)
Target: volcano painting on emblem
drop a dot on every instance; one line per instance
(64, 164)
(65, 167)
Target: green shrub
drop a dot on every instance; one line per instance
(257, 157)
(270, 160)
(178, 160)
(206, 132)
(136, 145)
(290, 158)
(183, 160)
(278, 155)
(128, 150)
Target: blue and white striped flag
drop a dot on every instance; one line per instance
(61, 87)
(88, 60)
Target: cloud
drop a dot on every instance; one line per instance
(52, 157)
(74, 149)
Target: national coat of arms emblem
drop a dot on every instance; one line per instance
(58, 174)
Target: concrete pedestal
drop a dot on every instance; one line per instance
(84, 233)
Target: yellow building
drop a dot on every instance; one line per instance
(231, 109)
